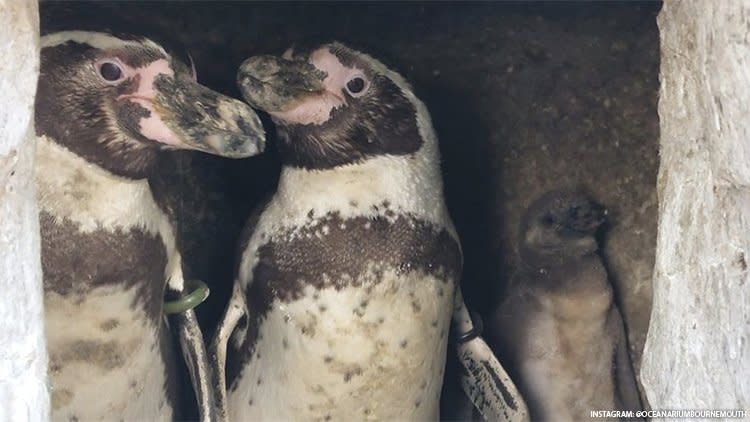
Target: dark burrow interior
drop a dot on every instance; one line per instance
(525, 97)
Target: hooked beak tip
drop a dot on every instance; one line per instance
(234, 146)
(209, 122)
(246, 136)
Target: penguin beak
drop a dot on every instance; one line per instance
(587, 219)
(208, 121)
(276, 84)
(186, 115)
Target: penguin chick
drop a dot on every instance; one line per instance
(348, 275)
(558, 328)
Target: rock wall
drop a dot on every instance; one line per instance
(23, 358)
(697, 353)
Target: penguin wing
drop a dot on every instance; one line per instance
(625, 381)
(217, 353)
(486, 381)
(507, 327)
(235, 311)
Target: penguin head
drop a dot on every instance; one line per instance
(335, 106)
(119, 100)
(558, 226)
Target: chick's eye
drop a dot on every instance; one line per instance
(548, 220)
(110, 71)
(356, 85)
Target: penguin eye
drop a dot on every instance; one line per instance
(548, 220)
(356, 86)
(110, 71)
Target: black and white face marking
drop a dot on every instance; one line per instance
(558, 226)
(344, 108)
(117, 102)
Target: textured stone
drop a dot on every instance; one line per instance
(23, 358)
(697, 353)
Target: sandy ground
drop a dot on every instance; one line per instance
(524, 97)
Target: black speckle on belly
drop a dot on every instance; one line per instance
(107, 355)
(351, 373)
(416, 307)
(74, 263)
(292, 260)
(109, 324)
(60, 398)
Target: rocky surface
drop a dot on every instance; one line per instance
(698, 350)
(23, 358)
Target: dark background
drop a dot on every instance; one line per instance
(525, 97)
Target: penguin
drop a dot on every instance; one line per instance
(346, 280)
(107, 107)
(558, 329)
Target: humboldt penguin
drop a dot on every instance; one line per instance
(106, 108)
(346, 281)
(558, 329)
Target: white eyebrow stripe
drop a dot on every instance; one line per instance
(97, 40)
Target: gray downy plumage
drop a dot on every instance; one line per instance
(558, 330)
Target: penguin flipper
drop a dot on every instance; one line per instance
(235, 311)
(196, 357)
(625, 381)
(217, 354)
(486, 382)
(190, 336)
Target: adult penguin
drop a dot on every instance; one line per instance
(107, 107)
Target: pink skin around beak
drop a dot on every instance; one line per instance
(295, 92)
(317, 109)
(153, 127)
(183, 114)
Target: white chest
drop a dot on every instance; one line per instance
(349, 278)
(357, 352)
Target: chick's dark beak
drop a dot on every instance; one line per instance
(275, 84)
(587, 217)
(204, 120)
